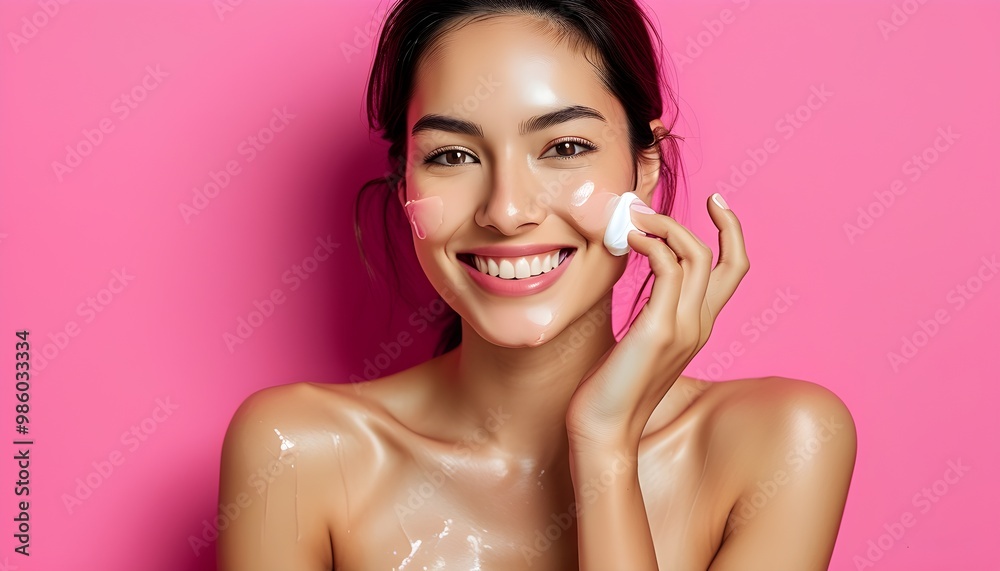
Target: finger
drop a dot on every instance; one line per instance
(695, 259)
(663, 262)
(678, 237)
(641, 352)
(733, 262)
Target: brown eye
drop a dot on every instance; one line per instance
(456, 155)
(565, 149)
(452, 158)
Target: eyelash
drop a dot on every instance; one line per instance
(429, 159)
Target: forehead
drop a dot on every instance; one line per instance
(506, 65)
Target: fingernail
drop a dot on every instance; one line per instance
(640, 206)
(717, 198)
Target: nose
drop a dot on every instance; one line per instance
(514, 205)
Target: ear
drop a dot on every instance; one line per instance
(648, 165)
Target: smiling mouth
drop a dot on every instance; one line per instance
(517, 268)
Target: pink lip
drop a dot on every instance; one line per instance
(499, 251)
(526, 286)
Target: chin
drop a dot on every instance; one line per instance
(519, 343)
(542, 338)
(514, 329)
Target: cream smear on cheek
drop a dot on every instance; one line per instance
(601, 216)
(425, 215)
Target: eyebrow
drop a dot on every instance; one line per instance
(434, 121)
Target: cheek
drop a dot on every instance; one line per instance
(438, 207)
(425, 215)
(589, 206)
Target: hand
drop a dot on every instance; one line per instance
(613, 402)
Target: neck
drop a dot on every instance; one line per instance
(520, 395)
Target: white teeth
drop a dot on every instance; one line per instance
(506, 269)
(522, 269)
(519, 268)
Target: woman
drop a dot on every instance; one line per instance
(534, 439)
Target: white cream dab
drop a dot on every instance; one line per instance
(581, 194)
(616, 236)
(540, 315)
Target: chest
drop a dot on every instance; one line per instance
(432, 513)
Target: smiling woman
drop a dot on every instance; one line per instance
(520, 131)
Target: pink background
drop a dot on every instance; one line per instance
(162, 335)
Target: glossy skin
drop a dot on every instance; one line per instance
(482, 458)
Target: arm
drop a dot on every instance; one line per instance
(812, 443)
(612, 527)
(613, 403)
(264, 491)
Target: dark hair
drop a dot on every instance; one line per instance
(617, 31)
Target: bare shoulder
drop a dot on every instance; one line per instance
(281, 458)
(779, 454)
(793, 444)
(759, 413)
(773, 421)
(769, 410)
(300, 408)
(295, 425)
(264, 413)
(275, 462)
(774, 393)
